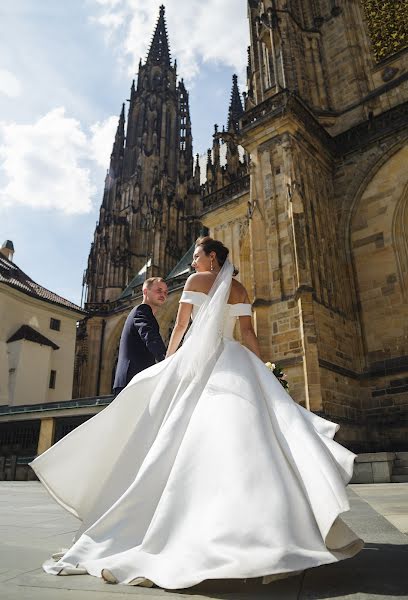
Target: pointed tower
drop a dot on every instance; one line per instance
(235, 108)
(186, 140)
(148, 187)
(108, 257)
(117, 150)
(223, 161)
(197, 173)
(218, 169)
(234, 167)
(159, 53)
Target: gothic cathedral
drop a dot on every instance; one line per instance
(307, 184)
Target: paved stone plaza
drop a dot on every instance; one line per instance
(32, 527)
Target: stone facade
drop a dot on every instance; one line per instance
(314, 210)
(326, 131)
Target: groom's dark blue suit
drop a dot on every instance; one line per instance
(140, 345)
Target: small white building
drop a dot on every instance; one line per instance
(37, 338)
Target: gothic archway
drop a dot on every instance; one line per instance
(379, 256)
(400, 240)
(356, 185)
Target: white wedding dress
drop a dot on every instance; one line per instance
(210, 475)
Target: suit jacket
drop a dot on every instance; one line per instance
(140, 345)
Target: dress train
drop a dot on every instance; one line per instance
(218, 476)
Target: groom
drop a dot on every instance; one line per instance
(140, 343)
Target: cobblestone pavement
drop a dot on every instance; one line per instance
(32, 527)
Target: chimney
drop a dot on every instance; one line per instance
(7, 250)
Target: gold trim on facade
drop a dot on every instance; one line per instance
(387, 26)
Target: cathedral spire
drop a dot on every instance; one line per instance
(235, 108)
(216, 147)
(159, 52)
(197, 171)
(186, 140)
(121, 124)
(118, 144)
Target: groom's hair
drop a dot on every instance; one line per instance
(151, 281)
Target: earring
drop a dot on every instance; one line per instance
(211, 265)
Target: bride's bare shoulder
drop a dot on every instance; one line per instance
(238, 293)
(198, 282)
(202, 282)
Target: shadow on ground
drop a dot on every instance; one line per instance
(379, 570)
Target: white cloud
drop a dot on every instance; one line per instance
(215, 31)
(108, 3)
(43, 162)
(112, 20)
(9, 84)
(103, 135)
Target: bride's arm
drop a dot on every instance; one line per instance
(248, 336)
(182, 321)
(183, 315)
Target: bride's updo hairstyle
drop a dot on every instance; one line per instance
(208, 244)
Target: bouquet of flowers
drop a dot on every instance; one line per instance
(279, 374)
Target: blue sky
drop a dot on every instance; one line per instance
(65, 69)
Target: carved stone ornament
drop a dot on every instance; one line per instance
(389, 73)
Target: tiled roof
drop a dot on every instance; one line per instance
(183, 266)
(11, 275)
(137, 280)
(32, 335)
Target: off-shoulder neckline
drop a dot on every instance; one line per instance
(229, 303)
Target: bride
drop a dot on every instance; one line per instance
(203, 467)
